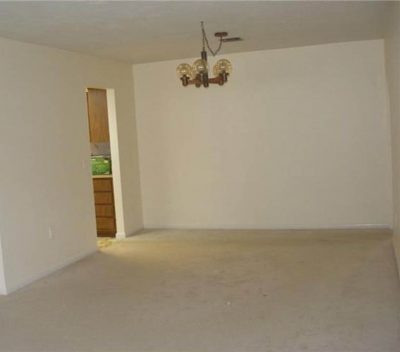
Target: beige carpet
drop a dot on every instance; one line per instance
(221, 291)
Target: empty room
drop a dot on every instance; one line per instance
(200, 176)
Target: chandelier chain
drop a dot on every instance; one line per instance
(205, 41)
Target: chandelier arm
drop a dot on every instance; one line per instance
(220, 80)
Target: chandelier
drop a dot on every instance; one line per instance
(198, 73)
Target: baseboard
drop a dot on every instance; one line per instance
(396, 246)
(3, 290)
(27, 281)
(277, 228)
(123, 235)
(120, 235)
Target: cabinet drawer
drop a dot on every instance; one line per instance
(104, 210)
(102, 184)
(105, 224)
(103, 198)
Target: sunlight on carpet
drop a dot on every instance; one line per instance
(104, 242)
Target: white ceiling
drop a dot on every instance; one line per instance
(154, 31)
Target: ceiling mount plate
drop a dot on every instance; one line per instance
(221, 34)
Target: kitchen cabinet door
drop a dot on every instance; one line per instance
(98, 115)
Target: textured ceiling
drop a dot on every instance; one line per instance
(153, 31)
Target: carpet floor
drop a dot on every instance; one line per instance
(222, 291)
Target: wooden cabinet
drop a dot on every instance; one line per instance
(104, 210)
(98, 115)
(104, 204)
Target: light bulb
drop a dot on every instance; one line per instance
(200, 66)
(184, 70)
(222, 66)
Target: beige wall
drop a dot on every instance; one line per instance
(299, 138)
(45, 179)
(392, 46)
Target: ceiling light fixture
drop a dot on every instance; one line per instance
(197, 73)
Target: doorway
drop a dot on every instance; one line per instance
(101, 162)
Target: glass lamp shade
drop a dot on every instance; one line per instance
(200, 66)
(222, 66)
(184, 70)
